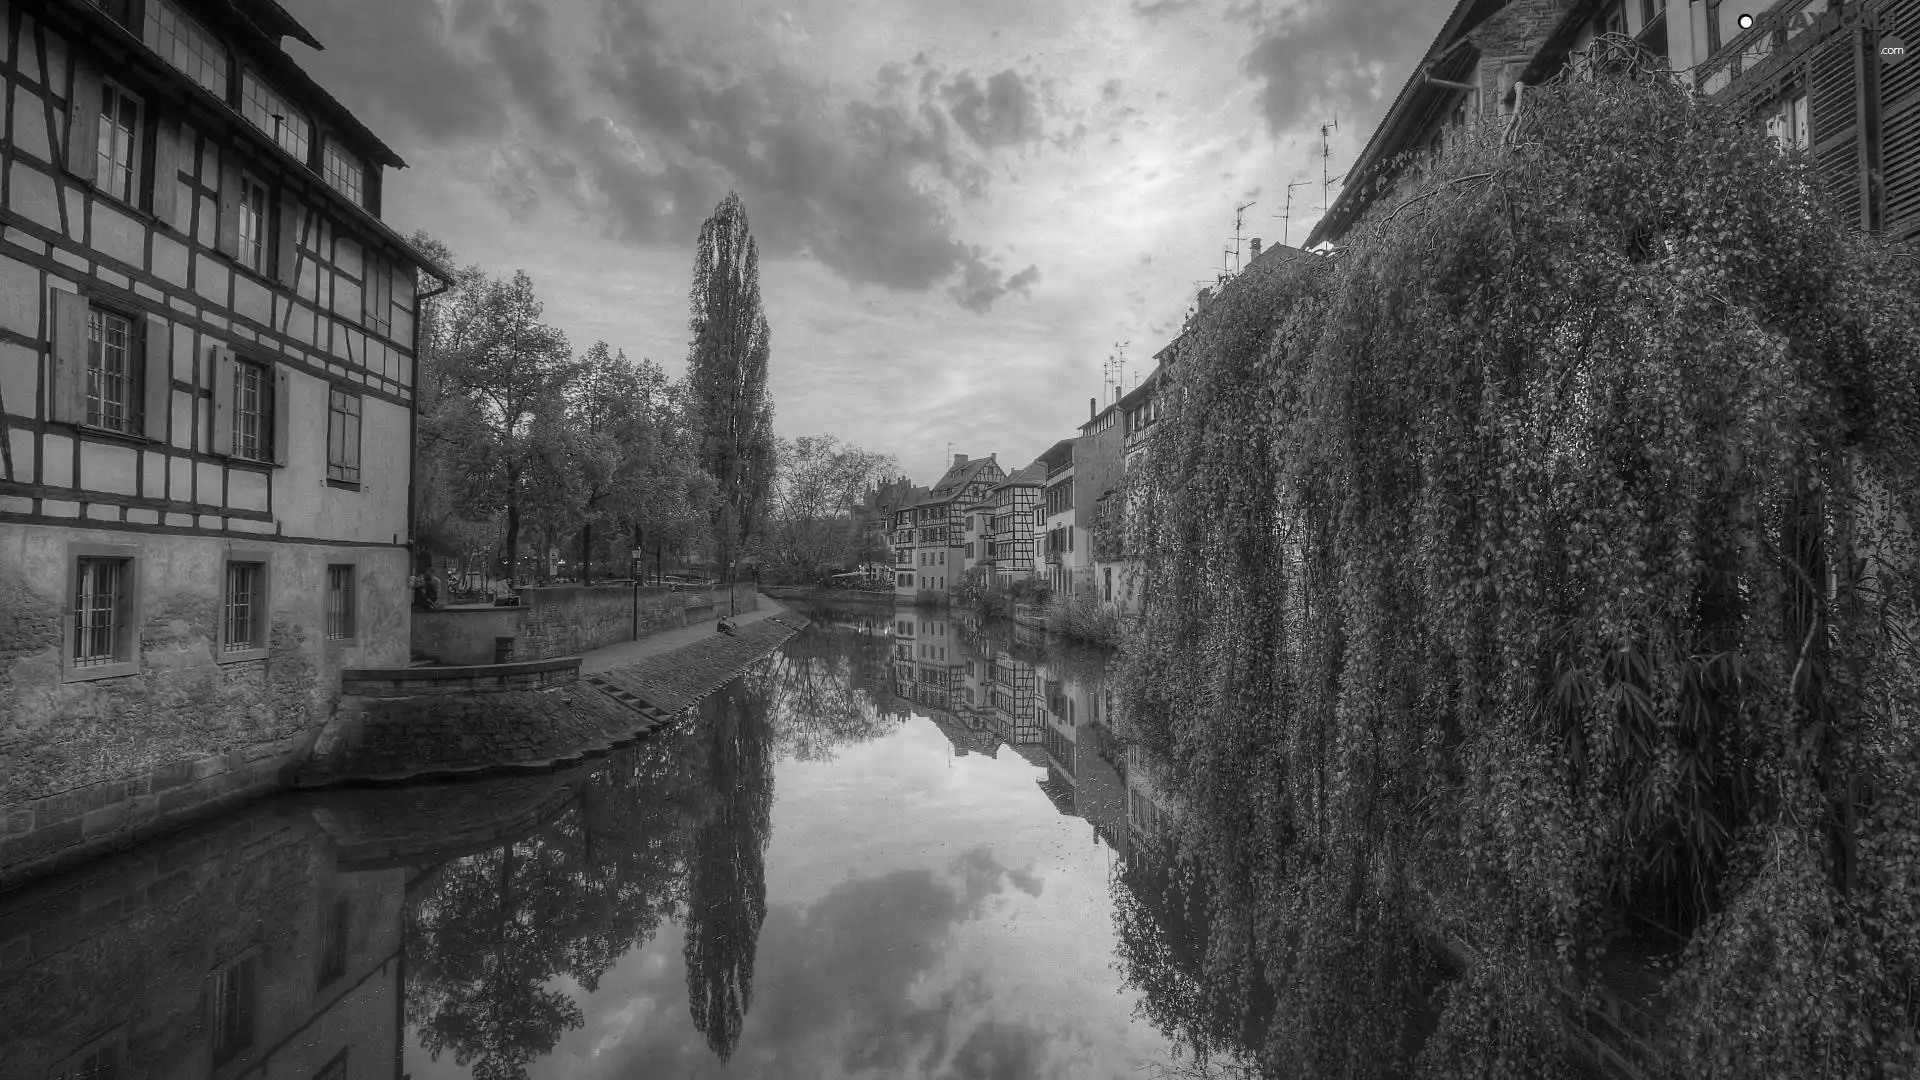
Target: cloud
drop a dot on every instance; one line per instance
(1159, 9)
(1003, 112)
(1337, 56)
(648, 128)
(980, 285)
(840, 987)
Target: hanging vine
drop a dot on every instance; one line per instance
(1529, 597)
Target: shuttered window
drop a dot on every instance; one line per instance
(343, 436)
(1900, 122)
(1833, 76)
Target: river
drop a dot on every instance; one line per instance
(901, 846)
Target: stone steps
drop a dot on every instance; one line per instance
(628, 698)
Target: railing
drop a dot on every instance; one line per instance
(1053, 558)
(1056, 470)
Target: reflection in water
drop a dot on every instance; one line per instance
(727, 893)
(330, 936)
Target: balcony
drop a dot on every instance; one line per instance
(1054, 558)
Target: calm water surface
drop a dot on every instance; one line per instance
(896, 848)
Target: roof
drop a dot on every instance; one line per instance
(959, 476)
(1033, 475)
(275, 21)
(1057, 454)
(1409, 107)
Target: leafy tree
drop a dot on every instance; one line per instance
(815, 523)
(455, 463)
(1542, 561)
(727, 376)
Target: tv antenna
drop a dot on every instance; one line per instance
(1326, 151)
(1286, 215)
(1239, 217)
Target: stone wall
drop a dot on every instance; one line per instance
(90, 765)
(463, 635)
(571, 620)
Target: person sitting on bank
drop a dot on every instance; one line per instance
(724, 627)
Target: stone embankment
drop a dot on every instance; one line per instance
(441, 723)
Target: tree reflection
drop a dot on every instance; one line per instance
(727, 886)
(489, 932)
(825, 685)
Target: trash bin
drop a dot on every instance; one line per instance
(503, 650)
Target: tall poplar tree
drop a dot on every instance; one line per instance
(727, 375)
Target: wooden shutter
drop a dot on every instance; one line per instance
(158, 345)
(69, 403)
(228, 238)
(288, 263)
(1834, 76)
(1900, 123)
(83, 119)
(223, 378)
(166, 170)
(281, 432)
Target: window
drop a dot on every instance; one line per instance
(333, 943)
(1108, 586)
(102, 609)
(252, 411)
(244, 622)
(377, 296)
(265, 109)
(340, 605)
(1069, 538)
(118, 170)
(253, 224)
(343, 436)
(343, 173)
(1788, 121)
(185, 44)
(114, 393)
(230, 1010)
(1611, 21)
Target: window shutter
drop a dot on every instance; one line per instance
(159, 378)
(69, 403)
(1900, 124)
(223, 376)
(289, 254)
(228, 238)
(166, 170)
(281, 434)
(83, 120)
(1834, 82)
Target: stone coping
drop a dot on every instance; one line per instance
(467, 671)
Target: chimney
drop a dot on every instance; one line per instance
(959, 460)
(1091, 410)
(1256, 247)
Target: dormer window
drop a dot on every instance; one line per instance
(265, 109)
(344, 173)
(185, 44)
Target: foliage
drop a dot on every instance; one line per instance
(1082, 615)
(818, 519)
(727, 376)
(1540, 561)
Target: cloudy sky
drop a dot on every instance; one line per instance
(961, 206)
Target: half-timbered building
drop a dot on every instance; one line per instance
(207, 342)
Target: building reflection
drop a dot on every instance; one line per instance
(240, 949)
